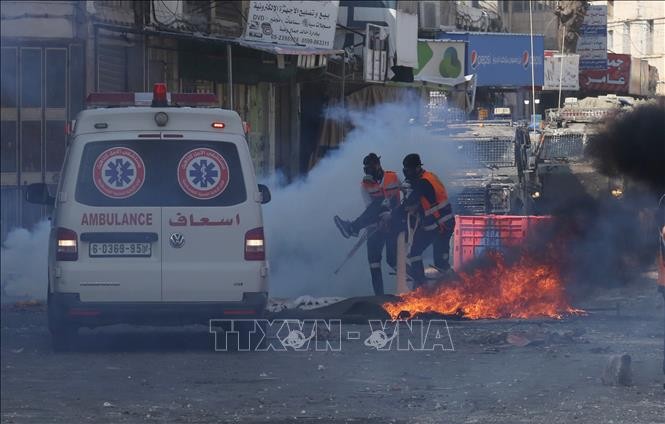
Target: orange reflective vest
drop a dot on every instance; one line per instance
(388, 188)
(436, 214)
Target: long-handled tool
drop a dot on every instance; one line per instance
(367, 234)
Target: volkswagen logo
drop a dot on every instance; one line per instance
(176, 240)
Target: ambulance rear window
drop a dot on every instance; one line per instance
(160, 173)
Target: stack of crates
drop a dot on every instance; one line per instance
(476, 235)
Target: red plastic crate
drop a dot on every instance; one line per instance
(474, 235)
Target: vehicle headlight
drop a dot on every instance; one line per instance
(535, 195)
(616, 192)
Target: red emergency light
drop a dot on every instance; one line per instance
(159, 95)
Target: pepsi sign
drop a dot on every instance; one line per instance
(501, 60)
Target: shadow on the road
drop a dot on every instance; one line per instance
(143, 340)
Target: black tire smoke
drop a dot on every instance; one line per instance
(633, 144)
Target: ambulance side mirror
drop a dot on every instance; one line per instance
(265, 194)
(38, 193)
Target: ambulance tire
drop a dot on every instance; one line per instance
(64, 336)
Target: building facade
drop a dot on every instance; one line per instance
(638, 28)
(53, 57)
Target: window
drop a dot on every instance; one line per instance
(161, 187)
(610, 40)
(506, 6)
(76, 79)
(8, 143)
(475, 3)
(8, 67)
(56, 78)
(54, 144)
(31, 146)
(31, 77)
(650, 37)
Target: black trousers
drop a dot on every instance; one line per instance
(370, 215)
(375, 244)
(439, 238)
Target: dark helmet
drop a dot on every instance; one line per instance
(412, 160)
(372, 159)
(372, 166)
(412, 167)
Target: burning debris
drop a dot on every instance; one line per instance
(526, 288)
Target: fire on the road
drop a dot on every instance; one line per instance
(527, 288)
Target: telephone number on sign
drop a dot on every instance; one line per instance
(120, 249)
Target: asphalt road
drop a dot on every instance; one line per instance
(123, 374)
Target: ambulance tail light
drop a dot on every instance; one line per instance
(255, 245)
(66, 248)
(159, 95)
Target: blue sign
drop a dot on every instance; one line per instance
(501, 60)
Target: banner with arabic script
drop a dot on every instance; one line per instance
(293, 23)
(568, 77)
(615, 79)
(592, 44)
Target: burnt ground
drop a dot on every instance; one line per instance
(121, 374)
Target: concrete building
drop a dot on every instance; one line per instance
(638, 28)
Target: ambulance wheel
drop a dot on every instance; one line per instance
(63, 337)
(63, 334)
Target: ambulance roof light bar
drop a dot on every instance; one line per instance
(158, 98)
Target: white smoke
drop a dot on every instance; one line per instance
(24, 263)
(304, 246)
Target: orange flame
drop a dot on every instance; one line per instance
(525, 289)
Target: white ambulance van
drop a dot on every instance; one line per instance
(157, 216)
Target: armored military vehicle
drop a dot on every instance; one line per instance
(491, 176)
(563, 172)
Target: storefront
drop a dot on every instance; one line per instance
(502, 67)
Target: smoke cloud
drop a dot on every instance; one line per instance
(304, 246)
(633, 144)
(24, 263)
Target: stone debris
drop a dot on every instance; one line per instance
(618, 371)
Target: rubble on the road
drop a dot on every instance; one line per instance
(305, 302)
(528, 335)
(618, 371)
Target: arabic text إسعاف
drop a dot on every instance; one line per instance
(181, 221)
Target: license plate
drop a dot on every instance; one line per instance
(120, 249)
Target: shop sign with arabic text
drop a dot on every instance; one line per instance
(294, 23)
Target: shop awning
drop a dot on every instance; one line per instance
(287, 50)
